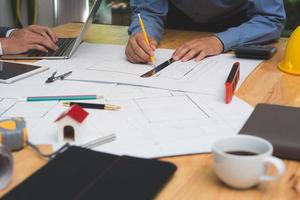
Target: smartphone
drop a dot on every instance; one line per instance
(254, 51)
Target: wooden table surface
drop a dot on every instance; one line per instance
(195, 178)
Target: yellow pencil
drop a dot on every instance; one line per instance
(145, 35)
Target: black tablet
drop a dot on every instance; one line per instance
(11, 72)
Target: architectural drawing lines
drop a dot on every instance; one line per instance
(207, 115)
(111, 71)
(8, 108)
(142, 111)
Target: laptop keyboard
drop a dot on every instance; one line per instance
(62, 43)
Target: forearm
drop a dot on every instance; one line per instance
(152, 13)
(266, 24)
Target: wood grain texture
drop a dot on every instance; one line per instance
(26, 162)
(195, 178)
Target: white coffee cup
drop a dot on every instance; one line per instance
(244, 171)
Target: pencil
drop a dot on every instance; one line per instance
(63, 98)
(93, 106)
(145, 35)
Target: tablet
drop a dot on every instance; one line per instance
(11, 72)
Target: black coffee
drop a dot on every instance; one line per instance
(242, 153)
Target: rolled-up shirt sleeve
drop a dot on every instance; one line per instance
(153, 13)
(267, 19)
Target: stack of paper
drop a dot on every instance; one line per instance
(180, 110)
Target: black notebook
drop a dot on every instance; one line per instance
(82, 174)
(280, 125)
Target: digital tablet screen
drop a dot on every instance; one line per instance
(10, 70)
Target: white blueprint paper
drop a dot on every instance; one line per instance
(152, 122)
(155, 123)
(107, 63)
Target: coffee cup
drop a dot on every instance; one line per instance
(241, 161)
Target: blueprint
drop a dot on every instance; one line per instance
(179, 111)
(107, 63)
(151, 122)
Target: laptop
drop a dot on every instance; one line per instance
(67, 46)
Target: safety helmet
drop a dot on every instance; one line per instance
(291, 59)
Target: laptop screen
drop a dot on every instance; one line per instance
(86, 25)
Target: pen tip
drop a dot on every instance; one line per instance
(66, 104)
(112, 107)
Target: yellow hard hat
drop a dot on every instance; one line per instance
(291, 60)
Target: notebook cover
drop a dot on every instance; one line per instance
(131, 178)
(278, 124)
(80, 173)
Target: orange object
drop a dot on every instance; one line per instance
(13, 133)
(291, 60)
(145, 35)
(232, 81)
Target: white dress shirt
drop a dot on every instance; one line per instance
(1, 51)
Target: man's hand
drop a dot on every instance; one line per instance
(199, 49)
(138, 51)
(32, 37)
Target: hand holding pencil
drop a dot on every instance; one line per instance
(145, 35)
(140, 48)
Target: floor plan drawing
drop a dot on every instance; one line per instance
(180, 110)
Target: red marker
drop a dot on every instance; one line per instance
(232, 81)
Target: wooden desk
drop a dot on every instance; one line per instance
(195, 178)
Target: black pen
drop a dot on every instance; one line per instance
(93, 105)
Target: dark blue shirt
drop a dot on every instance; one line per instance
(267, 18)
